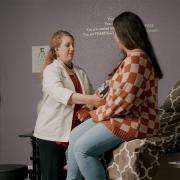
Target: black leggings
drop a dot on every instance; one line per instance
(52, 160)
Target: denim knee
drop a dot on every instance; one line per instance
(72, 137)
(78, 150)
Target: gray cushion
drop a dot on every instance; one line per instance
(172, 101)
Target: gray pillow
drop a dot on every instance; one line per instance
(172, 101)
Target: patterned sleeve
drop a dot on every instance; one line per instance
(125, 89)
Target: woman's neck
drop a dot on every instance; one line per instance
(68, 67)
(128, 52)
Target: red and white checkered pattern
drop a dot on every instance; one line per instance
(131, 104)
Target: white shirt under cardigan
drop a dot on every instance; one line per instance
(55, 115)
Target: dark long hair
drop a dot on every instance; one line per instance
(131, 31)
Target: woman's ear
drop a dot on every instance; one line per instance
(56, 49)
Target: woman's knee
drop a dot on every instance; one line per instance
(80, 149)
(76, 147)
(71, 137)
(80, 129)
(74, 135)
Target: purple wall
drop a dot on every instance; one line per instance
(25, 23)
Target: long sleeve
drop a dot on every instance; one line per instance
(53, 85)
(126, 89)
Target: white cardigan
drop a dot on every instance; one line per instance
(55, 115)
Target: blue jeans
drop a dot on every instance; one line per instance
(87, 142)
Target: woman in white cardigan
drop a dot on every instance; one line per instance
(65, 88)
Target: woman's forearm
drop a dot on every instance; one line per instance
(77, 98)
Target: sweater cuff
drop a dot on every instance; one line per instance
(93, 115)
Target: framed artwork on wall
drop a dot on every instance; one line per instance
(38, 57)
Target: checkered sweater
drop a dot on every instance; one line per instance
(131, 109)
